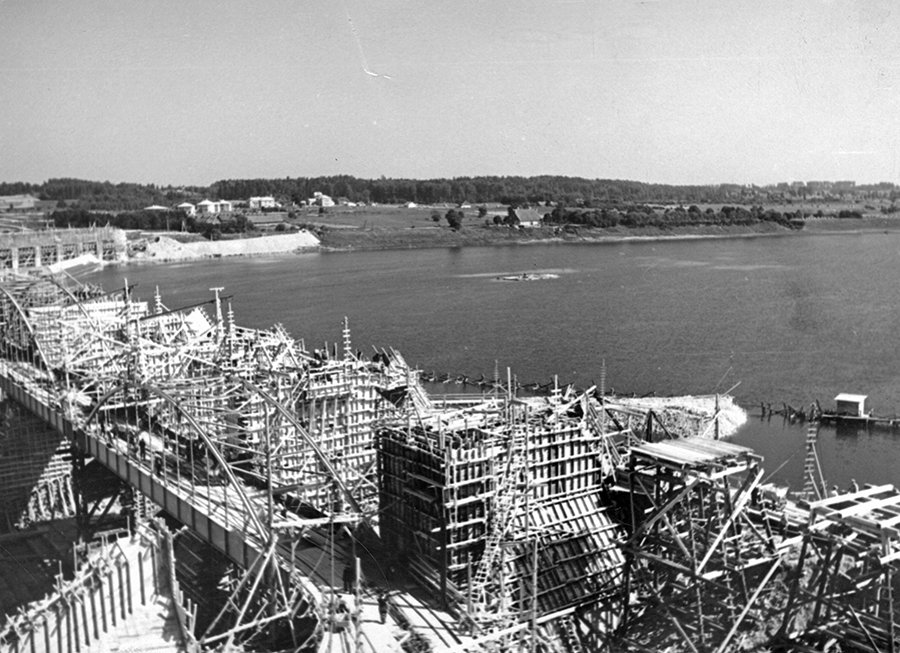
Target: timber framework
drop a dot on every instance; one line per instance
(310, 495)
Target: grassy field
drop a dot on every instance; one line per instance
(397, 217)
(386, 217)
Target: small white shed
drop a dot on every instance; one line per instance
(851, 405)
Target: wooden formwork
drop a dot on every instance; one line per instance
(845, 586)
(198, 405)
(35, 467)
(698, 564)
(501, 507)
(301, 407)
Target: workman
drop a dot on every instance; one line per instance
(349, 577)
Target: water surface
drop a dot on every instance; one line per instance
(789, 319)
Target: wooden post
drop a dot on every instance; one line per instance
(445, 561)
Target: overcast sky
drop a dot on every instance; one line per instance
(671, 91)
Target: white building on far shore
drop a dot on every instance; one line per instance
(266, 202)
(210, 207)
(319, 199)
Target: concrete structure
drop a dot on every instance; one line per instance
(43, 248)
(472, 496)
(18, 202)
(187, 208)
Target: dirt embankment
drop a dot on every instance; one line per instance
(164, 248)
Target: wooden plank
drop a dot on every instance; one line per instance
(868, 506)
(843, 498)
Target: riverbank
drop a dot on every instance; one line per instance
(148, 247)
(345, 239)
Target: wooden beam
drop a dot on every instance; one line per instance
(735, 512)
(759, 588)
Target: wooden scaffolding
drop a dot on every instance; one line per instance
(845, 584)
(501, 507)
(256, 391)
(237, 419)
(697, 562)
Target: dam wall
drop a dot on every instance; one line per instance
(34, 249)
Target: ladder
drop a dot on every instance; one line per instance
(813, 483)
(595, 419)
(503, 510)
(569, 634)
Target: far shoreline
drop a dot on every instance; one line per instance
(349, 240)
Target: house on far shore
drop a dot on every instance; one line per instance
(526, 217)
(318, 199)
(267, 202)
(188, 209)
(267, 221)
(208, 206)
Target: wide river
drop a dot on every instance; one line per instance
(787, 319)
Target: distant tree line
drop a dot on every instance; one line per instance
(504, 190)
(512, 190)
(587, 194)
(152, 221)
(104, 195)
(646, 216)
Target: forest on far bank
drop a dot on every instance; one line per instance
(509, 190)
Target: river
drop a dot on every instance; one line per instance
(778, 319)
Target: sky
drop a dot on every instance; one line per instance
(669, 91)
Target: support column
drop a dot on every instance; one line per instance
(82, 516)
